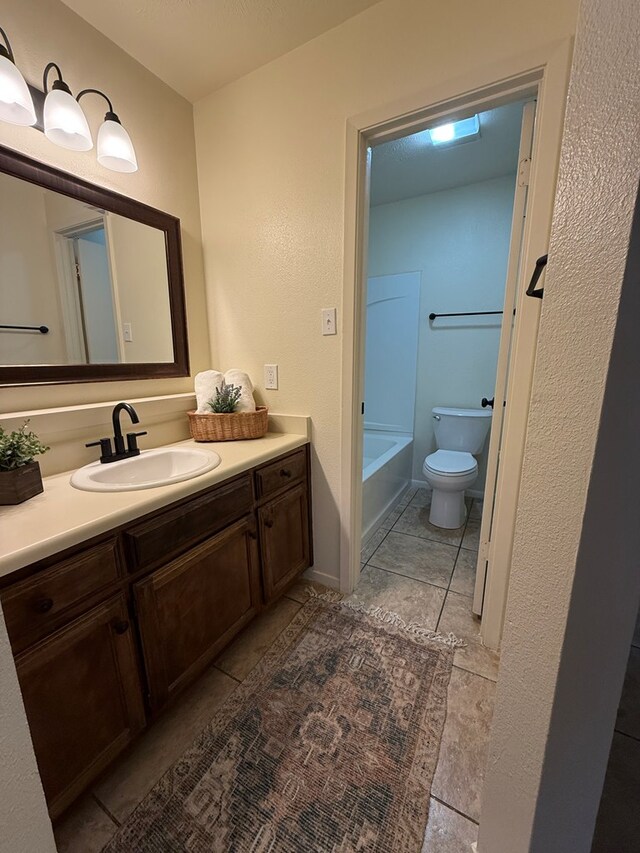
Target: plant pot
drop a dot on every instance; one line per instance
(20, 484)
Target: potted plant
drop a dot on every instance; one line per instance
(20, 477)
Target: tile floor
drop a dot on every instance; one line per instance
(421, 572)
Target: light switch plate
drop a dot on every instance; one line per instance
(127, 334)
(271, 377)
(329, 321)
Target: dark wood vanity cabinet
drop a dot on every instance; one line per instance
(105, 635)
(284, 539)
(190, 609)
(81, 692)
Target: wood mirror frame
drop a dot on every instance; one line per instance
(19, 166)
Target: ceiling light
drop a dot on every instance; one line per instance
(64, 122)
(16, 103)
(115, 149)
(455, 131)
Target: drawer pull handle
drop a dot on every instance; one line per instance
(268, 522)
(43, 605)
(120, 626)
(284, 472)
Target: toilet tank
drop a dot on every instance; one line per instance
(461, 429)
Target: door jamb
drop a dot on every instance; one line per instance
(546, 69)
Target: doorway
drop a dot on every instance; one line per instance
(520, 335)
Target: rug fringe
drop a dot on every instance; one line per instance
(388, 617)
(391, 618)
(330, 595)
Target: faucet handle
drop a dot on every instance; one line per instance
(105, 448)
(132, 443)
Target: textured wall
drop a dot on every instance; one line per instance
(161, 125)
(459, 240)
(271, 164)
(24, 822)
(574, 579)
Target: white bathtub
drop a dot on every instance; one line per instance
(386, 472)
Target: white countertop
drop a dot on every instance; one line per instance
(63, 516)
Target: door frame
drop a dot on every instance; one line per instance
(544, 73)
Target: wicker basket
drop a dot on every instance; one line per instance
(229, 427)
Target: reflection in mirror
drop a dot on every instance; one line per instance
(96, 280)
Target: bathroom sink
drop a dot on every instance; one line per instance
(152, 468)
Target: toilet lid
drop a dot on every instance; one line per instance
(451, 462)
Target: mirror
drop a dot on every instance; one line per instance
(91, 284)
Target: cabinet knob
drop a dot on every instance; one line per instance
(252, 534)
(43, 605)
(120, 626)
(268, 522)
(284, 472)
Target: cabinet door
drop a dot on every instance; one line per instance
(83, 699)
(284, 540)
(191, 608)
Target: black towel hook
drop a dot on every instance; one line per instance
(540, 265)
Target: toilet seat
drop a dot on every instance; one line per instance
(453, 463)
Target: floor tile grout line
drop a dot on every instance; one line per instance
(454, 809)
(626, 734)
(408, 577)
(472, 672)
(103, 808)
(228, 674)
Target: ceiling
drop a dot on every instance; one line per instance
(411, 166)
(197, 46)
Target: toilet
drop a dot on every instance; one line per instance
(460, 435)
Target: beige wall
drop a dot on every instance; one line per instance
(141, 284)
(28, 289)
(575, 583)
(271, 164)
(161, 125)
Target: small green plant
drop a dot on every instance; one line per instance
(226, 400)
(18, 448)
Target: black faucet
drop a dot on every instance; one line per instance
(119, 451)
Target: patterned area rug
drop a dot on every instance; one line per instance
(328, 746)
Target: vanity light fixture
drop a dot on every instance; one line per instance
(115, 149)
(16, 103)
(64, 122)
(63, 119)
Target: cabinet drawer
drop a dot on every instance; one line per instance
(37, 605)
(169, 533)
(278, 475)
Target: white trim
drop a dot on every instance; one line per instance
(546, 151)
(510, 324)
(507, 80)
(321, 577)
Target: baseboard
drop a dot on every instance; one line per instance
(323, 578)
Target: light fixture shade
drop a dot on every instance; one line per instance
(115, 149)
(16, 103)
(65, 123)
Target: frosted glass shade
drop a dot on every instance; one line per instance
(115, 149)
(65, 123)
(16, 103)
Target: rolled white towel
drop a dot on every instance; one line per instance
(205, 386)
(246, 403)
